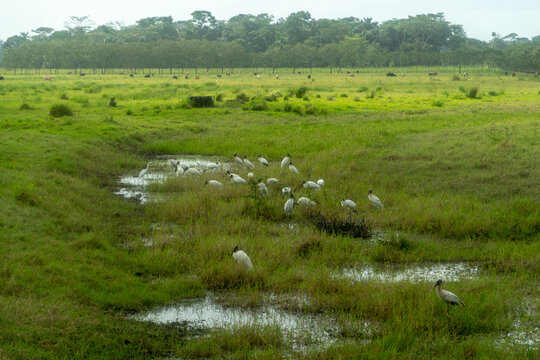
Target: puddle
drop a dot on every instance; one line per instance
(525, 331)
(430, 272)
(207, 313)
(133, 187)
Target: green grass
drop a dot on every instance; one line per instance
(458, 177)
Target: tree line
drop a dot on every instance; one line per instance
(258, 41)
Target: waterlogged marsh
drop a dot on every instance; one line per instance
(461, 172)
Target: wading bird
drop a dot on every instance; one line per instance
(351, 205)
(320, 182)
(262, 188)
(213, 166)
(305, 201)
(193, 171)
(374, 199)
(286, 191)
(238, 160)
(237, 179)
(213, 183)
(248, 163)
(293, 169)
(242, 258)
(250, 176)
(311, 185)
(272, 181)
(289, 205)
(448, 297)
(262, 160)
(285, 160)
(144, 171)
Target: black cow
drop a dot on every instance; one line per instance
(1, 78)
(309, 76)
(175, 77)
(82, 74)
(390, 74)
(432, 73)
(147, 75)
(130, 75)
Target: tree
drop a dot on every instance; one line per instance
(296, 28)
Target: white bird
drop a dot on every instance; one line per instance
(285, 160)
(250, 176)
(242, 258)
(320, 182)
(305, 201)
(144, 171)
(237, 179)
(374, 199)
(174, 164)
(213, 183)
(293, 169)
(213, 166)
(349, 204)
(448, 297)
(272, 181)
(311, 185)
(230, 173)
(248, 163)
(289, 205)
(182, 165)
(238, 160)
(262, 188)
(193, 171)
(286, 191)
(262, 160)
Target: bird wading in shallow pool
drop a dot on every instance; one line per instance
(448, 297)
(144, 171)
(242, 258)
(374, 199)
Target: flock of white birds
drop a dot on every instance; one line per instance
(244, 163)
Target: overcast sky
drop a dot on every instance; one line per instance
(479, 17)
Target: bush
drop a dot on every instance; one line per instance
(63, 96)
(201, 101)
(370, 95)
(456, 78)
(473, 93)
(256, 104)
(25, 106)
(287, 107)
(437, 102)
(59, 110)
(300, 92)
(344, 95)
(219, 97)
(242, 97)
(363, 88)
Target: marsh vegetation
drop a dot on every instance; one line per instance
(455, 164)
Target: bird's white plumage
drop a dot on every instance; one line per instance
(214, 183)
(248, 163)
(192, 171)
(305, 201)
(212, 166)
(238, 160)
(289, 205)
(272, 181)
(237, 179)
(285, 161)
(262, 160)
(448, 297)
(144, 171)
(311, 185)
(375, 200)
(251, 176)
(242, 258)
(349, 204)
(320, 182)
(286, 190)
(293, 169)
(262, 188)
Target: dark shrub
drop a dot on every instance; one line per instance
(59, 110)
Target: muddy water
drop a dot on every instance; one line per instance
(131, 186)
(207, 313)
(426, 272)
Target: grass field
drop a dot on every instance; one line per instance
(454, 160)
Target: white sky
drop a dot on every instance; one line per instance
(478, 17)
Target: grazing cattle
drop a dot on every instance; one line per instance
(186, 76)
(351, 75)
(48, 78)
(175, 77)
(466, 74)
(513, 74)
(299, 73)
(130, 75)
(82, 74)
(506, 73)
(432, 73)
(147, 75)
(218, 75)
(348, 72)
(1, 78)
(196, 77)
(390, 74)
(228, 74)
(402, 74)
(259, 77)
(309, 77)
(112, 102)
(277, 77)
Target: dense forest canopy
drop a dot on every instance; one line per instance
(258, 40)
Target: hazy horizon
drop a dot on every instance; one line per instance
(479, 19)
